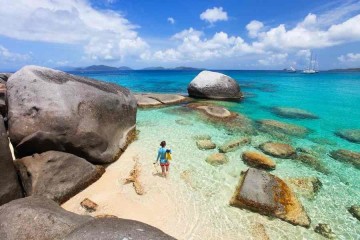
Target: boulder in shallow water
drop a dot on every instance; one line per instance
(352, 135)
(279, 150)
(10, 187)
(347, 156)
(262, 192)
(115, 229)
(325, 231)
(217, 159)
(296, 113)
(145, 101)
(205, 144)
(258, 160)
(305, 186)
(277, 128)
(234, 145)
(214, 85)
(56, 175)
(355, 211)
(37, 218)
(53, 110)
(153, 100)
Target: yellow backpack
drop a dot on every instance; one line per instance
(168, 156)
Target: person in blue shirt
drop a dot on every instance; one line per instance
(164, 163)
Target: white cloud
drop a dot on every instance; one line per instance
(213, 15)
(106, 34)
(350, 57)
(194, 47)
(254, 27)
(277, 59)
(8, 56)
(171, 20)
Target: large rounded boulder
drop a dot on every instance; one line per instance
(214, 85)
(53, 110)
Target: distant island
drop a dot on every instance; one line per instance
(103, 68)
(97, 68)
(345, 70)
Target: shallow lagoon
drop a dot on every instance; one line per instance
(202, 192)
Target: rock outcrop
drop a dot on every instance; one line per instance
(205, 144)
(295, 113)
(352, 135)
(305, 186)
(355, 211)
(10, 187)
(258, 160)
(234, 145)
(56, 175)
(42, 219)
(37, 218)
(214, 85)
(116, 228)
(216, 159)
(347, 156)
(89, 205)
(53, 110)
(279, 129)
(3, 108)
(279, 150)
(262, 192)
(5, 76)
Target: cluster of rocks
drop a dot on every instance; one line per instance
(60, 125)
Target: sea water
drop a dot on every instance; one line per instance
(333, 97)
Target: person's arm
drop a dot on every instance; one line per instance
(158, 157)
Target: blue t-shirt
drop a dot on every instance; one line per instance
(161, 155)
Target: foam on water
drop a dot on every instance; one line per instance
(201, 192)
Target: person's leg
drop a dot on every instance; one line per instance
(163, 170)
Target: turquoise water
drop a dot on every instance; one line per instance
(334, 97)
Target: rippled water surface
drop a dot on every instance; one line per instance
(333, 97)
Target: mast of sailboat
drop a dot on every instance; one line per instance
(310, 61)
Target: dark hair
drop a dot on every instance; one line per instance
(163, 144)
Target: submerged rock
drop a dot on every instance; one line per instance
(212, 111)
(56, 175)
(115, 229)
(88, 205)
(293, 113)
(53, 110)
(214, 85)
(37, 218)
(276, 128)
(234, 145)
(347, 156)
(312, 162)
(145, 101)
(258, 160)
(217, 159)
(355, 211)
(352, 135)
(262, 192)
(279, 150)
(202, 137)
(305, 186)
(153, 100)
(10, 187)
(184, 122)
(325, 230)
(205, 144)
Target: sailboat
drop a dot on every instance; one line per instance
(312, 66)
(291, 69)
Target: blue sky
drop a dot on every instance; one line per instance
(217, 34)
